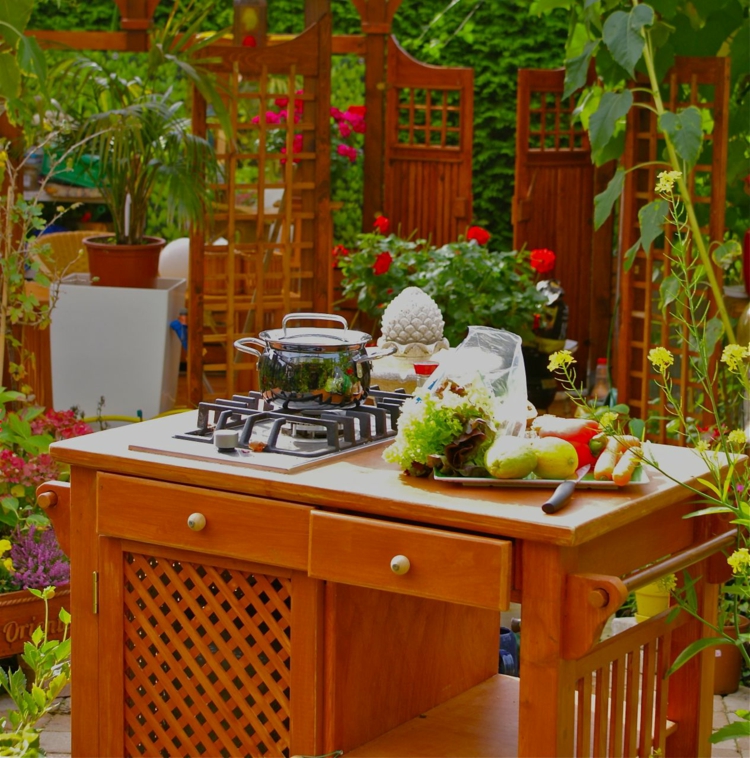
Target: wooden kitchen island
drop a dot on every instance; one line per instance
(221, 609)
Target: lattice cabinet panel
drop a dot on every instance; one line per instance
(207, 659)
(428, 148)
(704, 83)
(266, 251)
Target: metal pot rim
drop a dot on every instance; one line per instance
(306, 338)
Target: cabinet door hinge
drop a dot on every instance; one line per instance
(95, 588)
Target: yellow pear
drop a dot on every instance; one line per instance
(555, 458)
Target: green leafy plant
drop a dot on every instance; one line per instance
(134, 132)
(49, 663)
(470, 283)
(727, 484)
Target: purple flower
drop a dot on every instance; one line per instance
(37, 559)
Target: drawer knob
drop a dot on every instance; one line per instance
(400, 565)
(196, 521)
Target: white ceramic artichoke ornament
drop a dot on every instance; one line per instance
(413, 323)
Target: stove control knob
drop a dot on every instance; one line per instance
(196, 521)
(400, 565)
(226, 439)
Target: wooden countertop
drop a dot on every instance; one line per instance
(361, 482)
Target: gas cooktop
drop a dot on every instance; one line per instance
(247, 430)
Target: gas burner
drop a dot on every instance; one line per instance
(250, 423)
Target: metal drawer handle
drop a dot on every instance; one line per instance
(196, 521)
(400, 565)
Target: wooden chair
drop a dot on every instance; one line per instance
(67, 255)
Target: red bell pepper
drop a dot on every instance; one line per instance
(585, 455)
(570, 429)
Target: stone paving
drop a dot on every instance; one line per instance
(55, 738)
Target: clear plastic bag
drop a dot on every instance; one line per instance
(494, 357)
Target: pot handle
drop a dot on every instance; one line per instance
(375, 354)
(243, 347)
(314, 317)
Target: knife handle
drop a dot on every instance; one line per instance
(560, 496)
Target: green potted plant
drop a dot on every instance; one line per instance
(135, 134)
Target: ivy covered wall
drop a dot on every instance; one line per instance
(494, 37)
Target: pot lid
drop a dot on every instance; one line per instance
(311, 337)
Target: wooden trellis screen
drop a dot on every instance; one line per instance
(704, 83)
(428, 147)
(553, 206)
(267, 251)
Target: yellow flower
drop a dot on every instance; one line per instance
(701, 446)
(3, 159)
(4, 546)
(60, 209)
(608, 419)
(18, 490)
(733, 355)
(666, 180)
(737, 437)
(661, 359)
(560, 360)
(8, 563)
(739, 560)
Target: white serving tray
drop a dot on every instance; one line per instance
(588, 481)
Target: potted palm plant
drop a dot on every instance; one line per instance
(135, 134)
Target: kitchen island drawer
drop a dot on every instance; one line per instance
(237, 526)
(431, 563)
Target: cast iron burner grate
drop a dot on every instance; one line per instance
(311, 433)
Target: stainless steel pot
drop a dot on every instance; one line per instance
(308, 367)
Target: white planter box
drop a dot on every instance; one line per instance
(116, 343)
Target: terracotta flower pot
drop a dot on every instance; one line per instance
(114, 265)
(728, 661)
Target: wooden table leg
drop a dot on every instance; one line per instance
(691, 687)
(547, 698)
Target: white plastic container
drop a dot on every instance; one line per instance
(115, 343)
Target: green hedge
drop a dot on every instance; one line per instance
(498, 37)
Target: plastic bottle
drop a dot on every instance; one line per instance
(602, 388)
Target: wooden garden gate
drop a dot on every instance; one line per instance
(428, 147)
(267, 250)
(553, 207)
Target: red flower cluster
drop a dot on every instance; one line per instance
(62, 425)
(479, 235)
(382, 225)
(382, 263)
(350, 120)
(28, 473)
(542, 260)
(339, 251)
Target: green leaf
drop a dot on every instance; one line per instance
(731, 731)
(10, 76)
(629, 257)
(713, 333)
(612, 106)
(727, 253)
(651, 219)
(613, 149)
(604, 201)
(623, 35)
(40, 698)
(15, 14)
(64, 616)
(9, 503)
(31, 58)
(685, 131)
(668, 291)
(576, 69)
(692, 650)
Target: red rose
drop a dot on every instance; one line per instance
(339, 251)
(249, 41)
(542, 261)
(357, 110)
(382, 263)
(382, 225)
(479, 235)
